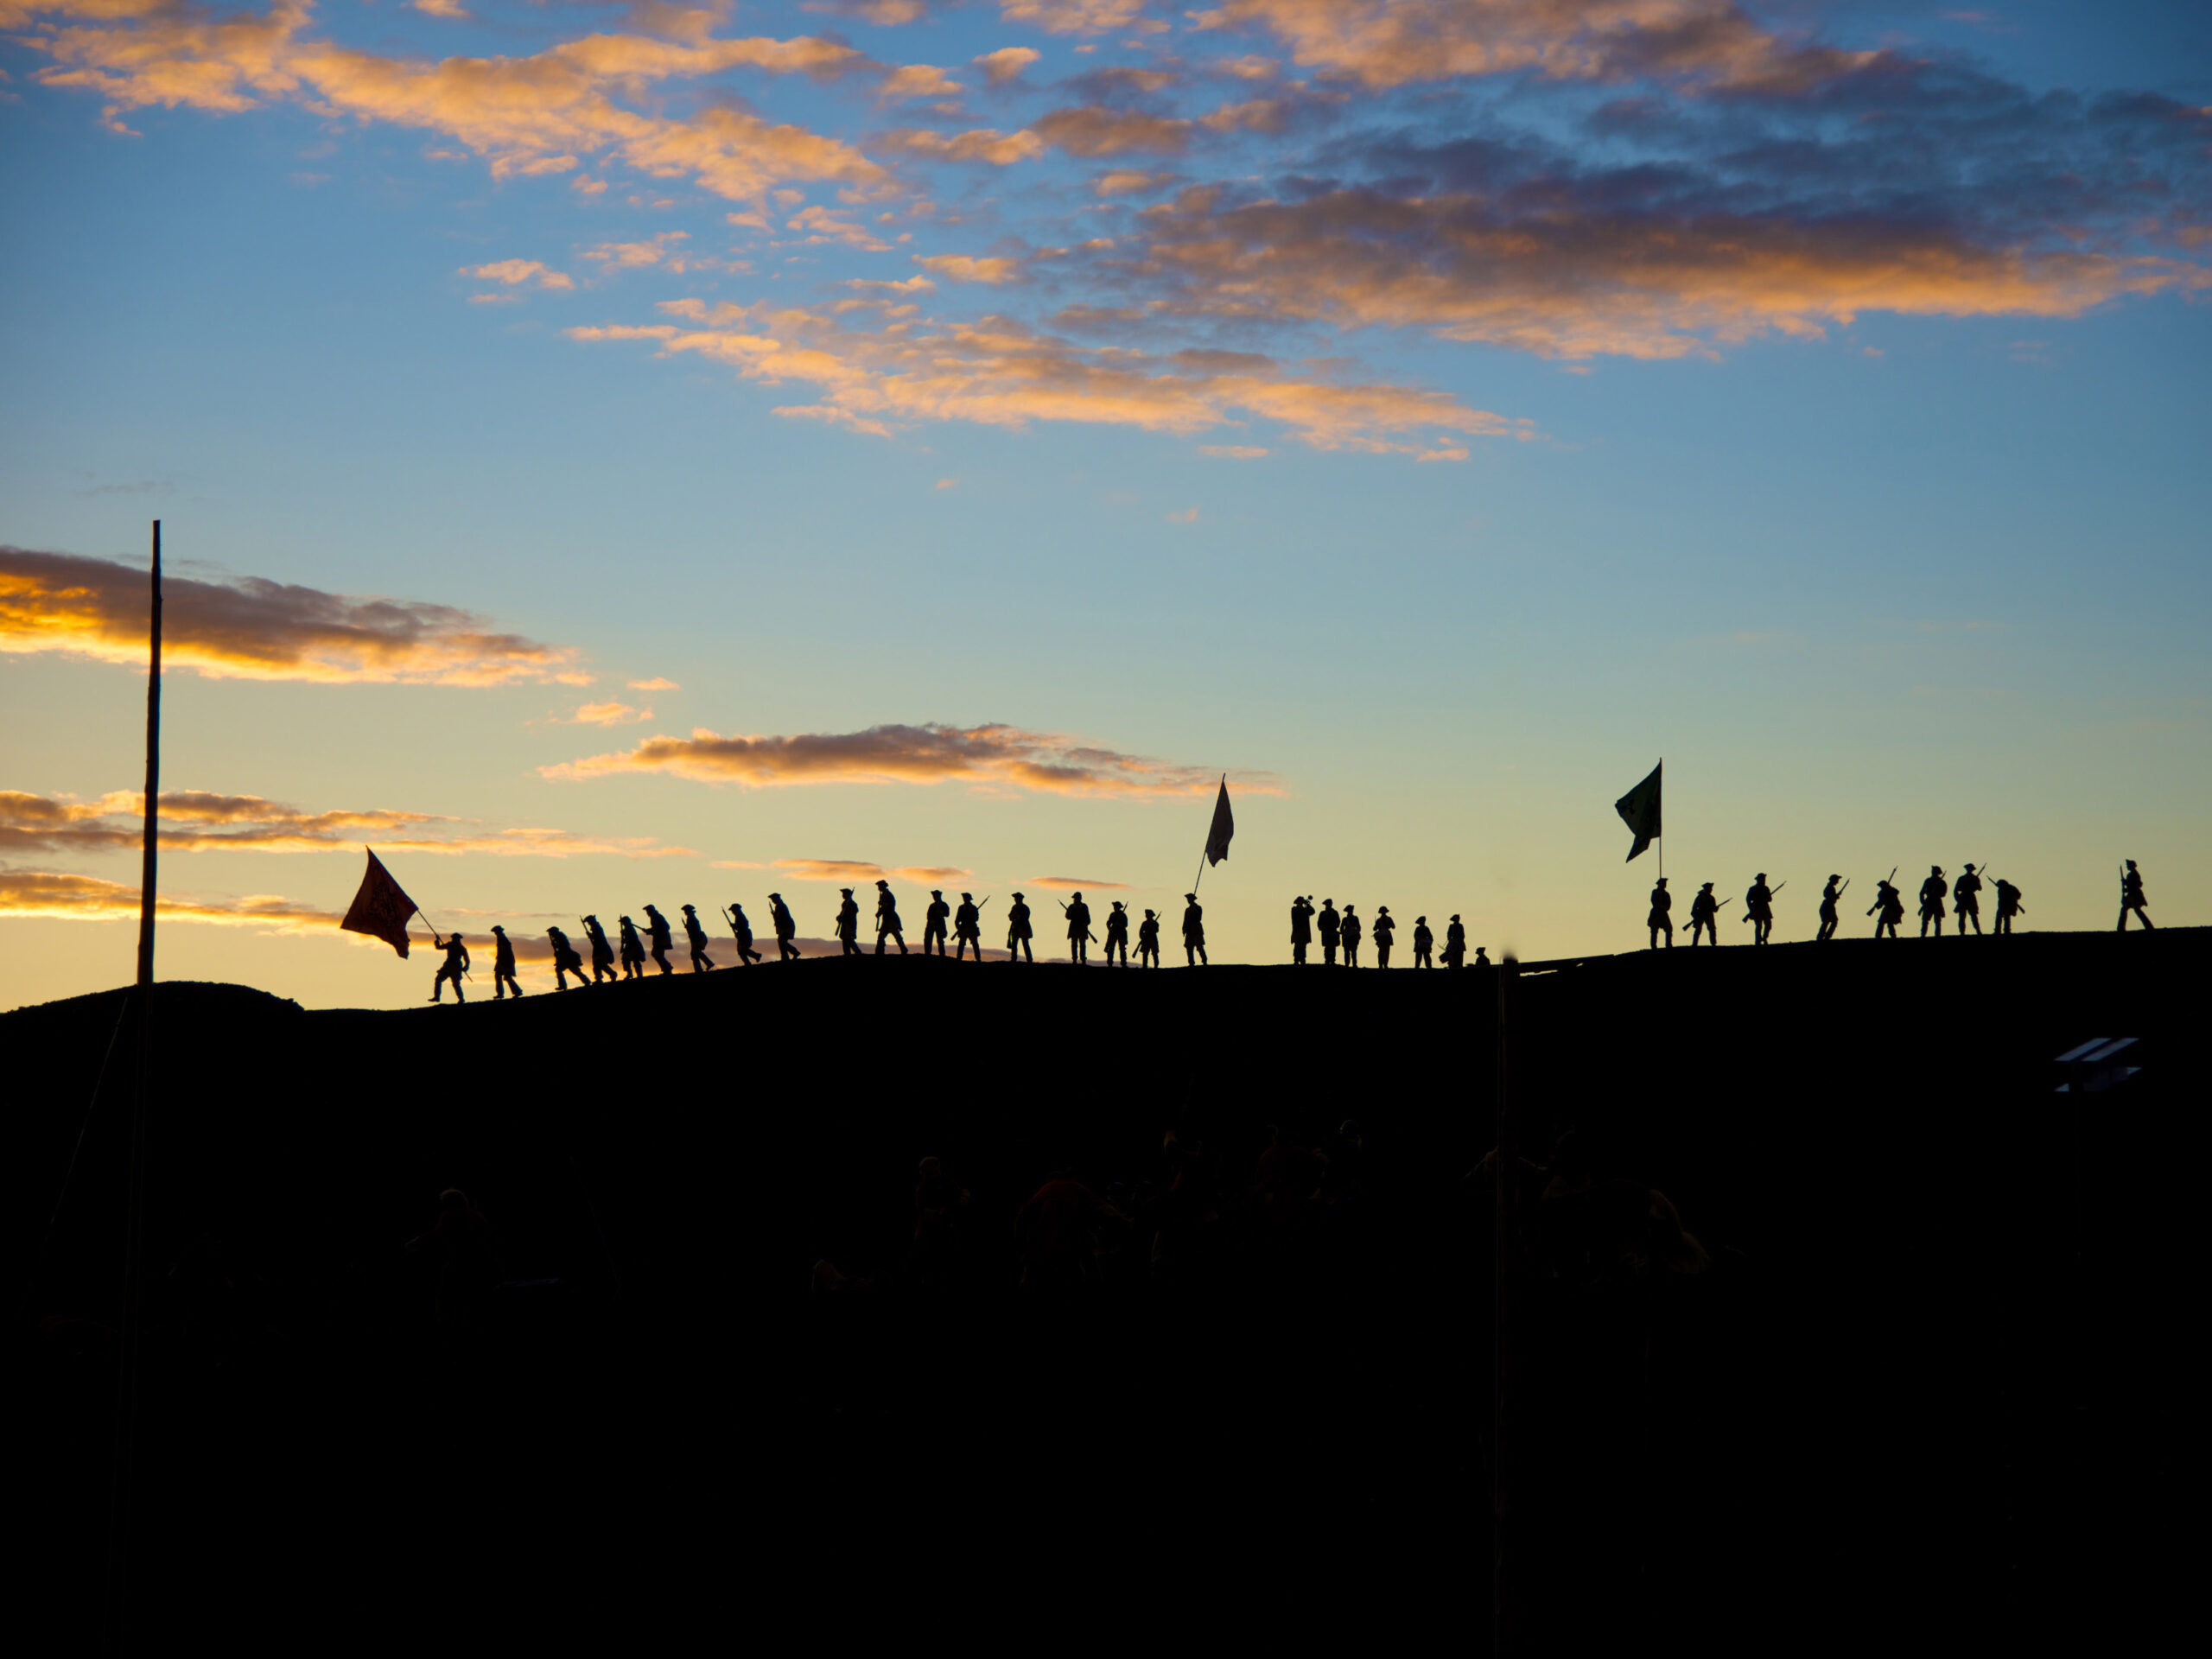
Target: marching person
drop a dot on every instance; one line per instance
(967, 928)
(663, 940)
(1330, 925)
(1705, 915)
(1078, 918)
(1661, 917)
(602, 953)
(503, 966)
(1891, 903)
(1759, 909)
(565, 960)
(1301, 929)
(887, 918)
(746, 955)
(1148, 941)
(1347, 931)
(1017, 931)
(456, 964)
(2008, 904)
(933, 921)
(2131, 899)
(1386, 932)
(1966, 899)
(848, 925)
(1194, 931)
(696, 936)
(633, 948)
(1829, 894)
(1933, 892)
(1455, 942)
(1424, 942)
(1117, 933)
(779, 918)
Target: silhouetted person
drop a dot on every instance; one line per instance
(1148, 941)
(740, 925)
(1661, 919)
(1117, 933)
(633, 948)
(456, 964)
(464, 1253)
(503, 966)
(2131, 899)
(602, 953)
(1386, 934)
(1829, 894)
(1194, 931)
(1424, 943)
(1932, 893)
(1455, 942)
(1330, 926)
(848, 926)
(663, 939)
(1301, 929)
(1349, 931)
(1966, 899)
(696, 936)
(933, 921)
(2008, 904)
(1759, 909)
(1078, 920)
(1891, 904)
(1705, 915)
(779, 918)
(887, 918)
(1017, 931)
(967, 928)
(1482, 956)
(565, 960)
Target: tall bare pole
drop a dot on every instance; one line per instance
(1504, 1356)
(153, 775)
(122, 1495)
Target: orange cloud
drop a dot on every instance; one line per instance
(1709, 44)
(512, 271)
(1002, 756)
(528, 115)
(250, 628)
(1130, 181)
(607, 714)
(54, 894)
(982, 144)
(1078, 884)
(996, 372)
(1574, 282)
(920, 80)
(960, 267)
(832, 225)
(656, 683)
(830, 869)
(201, 821)
(1073, 17)
(1003, 65)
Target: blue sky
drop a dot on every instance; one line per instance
(1819, 397)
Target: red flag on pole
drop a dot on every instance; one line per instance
(1224, 826)
(380, 908)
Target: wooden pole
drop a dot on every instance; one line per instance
(123, 1496)
(1504, 1357)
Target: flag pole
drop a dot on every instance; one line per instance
(122, 1493)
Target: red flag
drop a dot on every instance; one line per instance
(380, 908)
(1224, 826)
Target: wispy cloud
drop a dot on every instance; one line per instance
(1079, 884)
(252, 628)
(605, 714)
(202, 821)
(993, 755)
(514, 272)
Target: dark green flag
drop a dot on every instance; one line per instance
(1639, 809)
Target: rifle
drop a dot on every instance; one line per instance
(1087, 934)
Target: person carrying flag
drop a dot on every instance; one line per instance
(456, 964)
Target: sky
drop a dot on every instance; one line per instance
(622, 454)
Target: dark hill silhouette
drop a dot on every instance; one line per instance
(1887, 1392)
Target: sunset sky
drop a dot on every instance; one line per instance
(614, 454)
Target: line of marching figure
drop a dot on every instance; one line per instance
(1343, 930)
(1888, 908)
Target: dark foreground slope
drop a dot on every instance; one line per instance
(1931, 1326)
